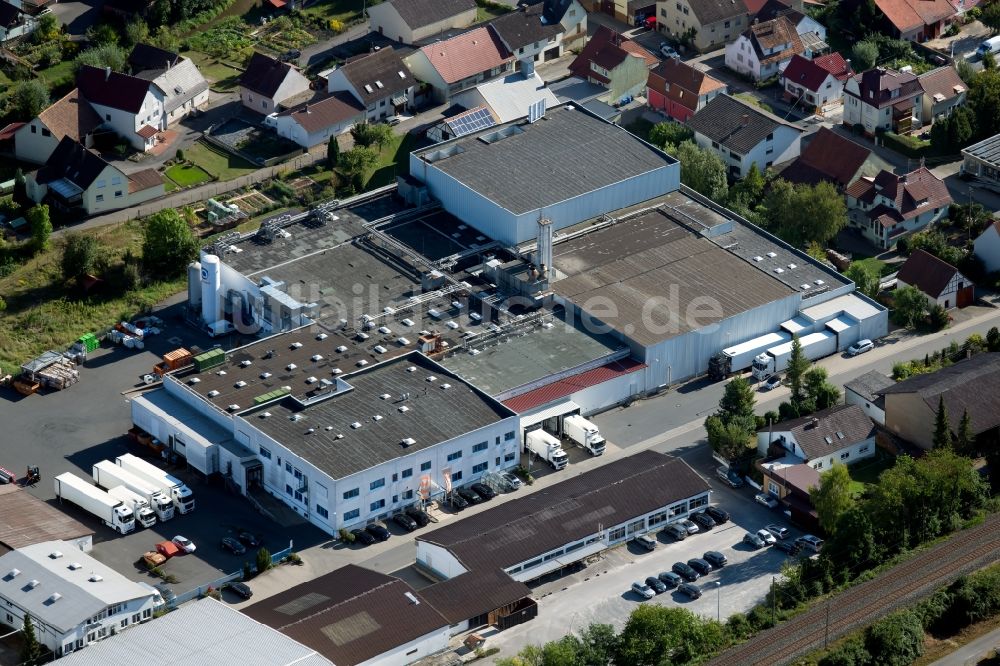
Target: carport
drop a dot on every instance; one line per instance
(559, 562)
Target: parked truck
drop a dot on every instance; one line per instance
(739, 357)
(775, 359)
(584, 433)
(109, 475)
(112, 511)
(546, 447)
(174, 488)
(140, 507)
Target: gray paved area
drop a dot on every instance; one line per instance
(973, 652)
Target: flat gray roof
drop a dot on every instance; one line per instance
(434, 414)
(567, 153)
(987, 150)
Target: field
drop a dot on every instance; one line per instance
(219, 164)
(187, 175)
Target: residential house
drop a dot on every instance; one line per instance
(76, 179)
(184, 88)
(381, 82)
(889, 207)
(14, 22)
(70, 117)
(461, 62)
(916, 20)
(939, 281)
(72, 598)
(313, 123)
(129, 106)
(268, 84)
(839, 434)
(743, 135)
(679, 90)
(410, 21)
(815, 85)
(789, 481)
(510, 97)
(987, 247)
(944, 91)
(866, 392)
(883, 100)
(971, 385)
(542, 31)
(615, 62)
(981, 163)
(831, 157)
(633, 12)
(793, 11)
(764, 49)
(712, 23)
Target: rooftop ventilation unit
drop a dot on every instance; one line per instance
(434, 312)
(246, 363)
(402, 341)
(413, 599)
(310, 431)
(311, 380)
(194, 380)
(336, 371)
(385, 396)
(779, 270)
(362, 335)
(452, 325)
(322, 336)
(341, 349)
(295, 345)
(407, 322)
(379, 84)
(403, 409)
(475, 316)
(221, 373)
(265, 375)
(385, 330)
(290, 367)
(804, 286)
(54, 597)
(73, 566)
(295, 417)
(380, 349)
(377, 417)
(369, 89)
(828, 439)
(792, 267)
(409, 441)
(412, 368)
(446, 386)
(286, 389)
(772, 255)
(240, 384)
(265, 415)
(362, 363)
(356, 425)
(95, 578)
(316, 358)
(213, 393)
(400, 74)
(387, 310)
(33, 583)
(758, 258)
(819, 282)
(328, 428)
(13, 573)
(233, 407)
(339, 436)
(55, 554)
(840, 435)
(432, 378)
(456, 304)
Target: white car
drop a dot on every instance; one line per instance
(766, 537)
(771, 383)
(667, 51)
(643, 590)
(810, 542)
(766, 499)
(689, 525)
(184, 543)
(777, 530)
(512, 479)
(860, 347)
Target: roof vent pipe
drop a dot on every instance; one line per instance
(107, 73)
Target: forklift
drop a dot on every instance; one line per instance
(32, 476)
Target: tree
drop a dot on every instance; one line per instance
(864, 54)
(106, 55)
(798, 364)
(993, 339)
(263, 560)
(938, 317)
(990, 16)
(852, 546)
(370, 134)
(355, 162)
(965, 442)
(896, 640)
(333, 152)
(984, 100)
(598, 644)
(27, 98)
(702, 171)
(942, 428)
(168, 244)
(47, 28)
(832, 497)
(31, 649)
(40, 225)
(165, 39)
(966, 71)
(79, 255)
(659, 635)
(801, 214)
(136, 32)
(669, 133)
(819, 391)
(729, 440)
(737, 401)
(102, 34)
(865, 276)
(910, 305)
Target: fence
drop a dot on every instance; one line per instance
(217, 584)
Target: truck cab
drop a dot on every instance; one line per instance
(584, 433)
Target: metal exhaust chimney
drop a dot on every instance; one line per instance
(544, 249)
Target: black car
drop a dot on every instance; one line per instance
(377, 531)
(684, 571)
(703, 519)
(700, 565)
(483, 491)
(365, 538)
(418, 515)
(233, 546)
(692, 591)
(670, 579)
(656, 585)
(718, 515)
(788, 547)
(457, 502)
(715, 558)
(405, 521)
(469, 496)
(249, 539)
(241, 589)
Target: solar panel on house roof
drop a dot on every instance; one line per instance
(473, 121)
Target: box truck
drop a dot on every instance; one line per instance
(174, 488)
(113, 512)
(739, 357)
(546, 447)
(775, 359)
(109, 475)
(584, 433)
(140, 507)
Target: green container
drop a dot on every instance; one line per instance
(209, 359)
(89, 342)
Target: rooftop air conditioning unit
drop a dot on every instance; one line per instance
(356, 425)
(385, 330)
(316, 357)
(380, 349)
(311, 380)
(265, 415)
(409, 441)
(290, 367)
(403, 409)
(362, 363)
(412, 368)
(265, 375)
(55, 554)
(73, 566)
(452, 325)
(322, 336)
(194, 380)
(213, 393)
(445, 386)
(377, 417)
(246, 363)
(385, 396)
(432, 378)
(221, 373)
(95, 578)
(240, 384)
(336, 371)
(295, 345)
(402, 341)
(233, 407)
(407, 322)
(341, 349)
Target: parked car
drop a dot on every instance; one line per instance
(469, 496)
(771, 383)
(670, 579)
(778, 531)
(643, 590)
(184, 544)
(715, 558)
(730, 476)
(719, 515)
(483, 491)
(233, 546)
(377, 531)
(766, 537)
(667, 51)
(703, 519)
(405, 521)
(700, 565)
(291, 54)
(511, 480)
(646, 541)
(418, 515)
(692, 591)
(788, 547)
(393, 120)
(684, 571)
(753, 540)
(249, 539)
(241, 589)
(860, 347)
(690, 526)
(655, 584)
(363, 537)
(766, 499)
(457, 502)
(677, 531)
(810, 543)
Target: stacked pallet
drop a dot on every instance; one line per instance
(59, 375)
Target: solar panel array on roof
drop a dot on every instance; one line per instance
(472, 121)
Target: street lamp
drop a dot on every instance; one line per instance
(718, 601)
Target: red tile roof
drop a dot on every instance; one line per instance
(466, 55)
(143, 180)
(8, 131)
(681, 82)
(146, 131)
(607, 49)
(804, 72)
(836, 65)
(910, 195)
(772, 34)
(828, 156)
(570, 385)
(906, 15)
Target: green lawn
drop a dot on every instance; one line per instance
(217, 163)
(489, 10)
(221, 77)
(752, 100)
(58, 75)
(876, 265)
(393, 160)
(867, 472)
(336, 10)
(186, 175)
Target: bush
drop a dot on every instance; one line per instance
(263, 560)
(346, 536)
(938, 317)
(905, 145)
(851, 653)
(294, 558)
(247, 571)
(896, 640)
(180, 155)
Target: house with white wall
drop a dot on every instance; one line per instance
(452, 65)
(840, 434)
(70, 116)
(313, 123)
(184, 88)
(938, 280)
(987, 247)
(888, 207)
(816, 85)
(381, 82)
(268, 85)
(73, 599)
(883, 99)
(944, 91)
(763, 50)
(14, 22)
(793, 11)
(411, 21)
(131, 107)
(866, 392)
(542, 31)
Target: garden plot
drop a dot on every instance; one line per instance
(252, 203)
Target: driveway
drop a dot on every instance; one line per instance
(79, 15)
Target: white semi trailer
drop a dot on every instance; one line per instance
(174, 488)
(140, 507)
(584, 433)
(775, 359)
(546, 447)
(112, 511)
(109, 475)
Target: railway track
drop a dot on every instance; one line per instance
(862, 604)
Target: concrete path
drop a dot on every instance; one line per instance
(972, 653)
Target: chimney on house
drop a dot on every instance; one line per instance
(306, 108)
(746, 119)
(107, 73)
